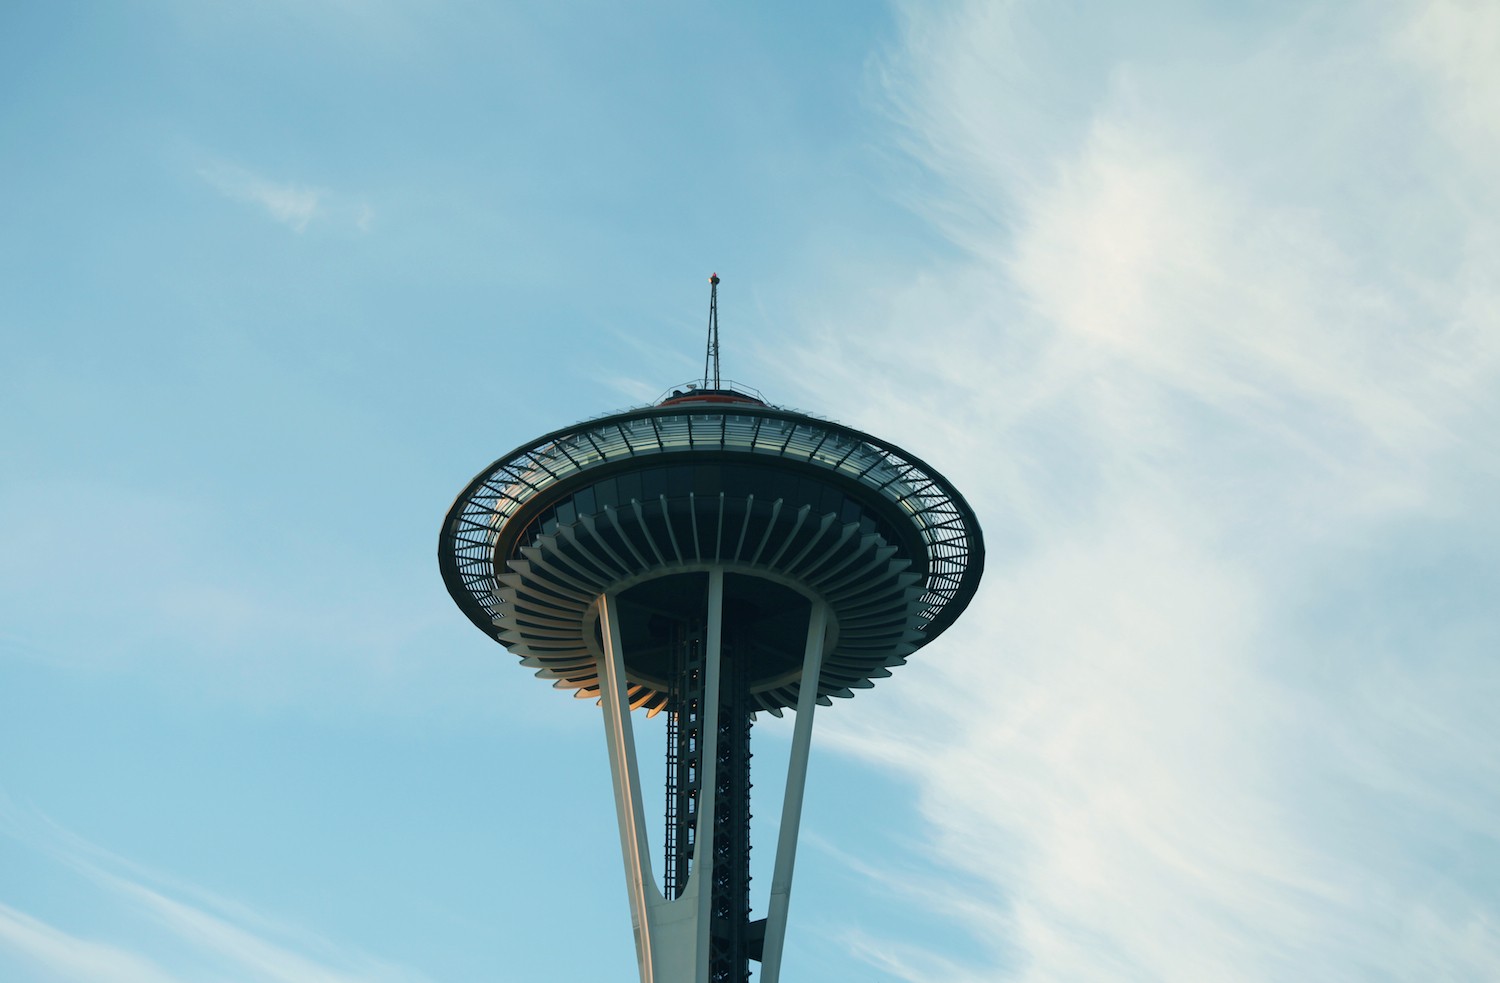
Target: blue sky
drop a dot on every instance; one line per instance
(1198, 307)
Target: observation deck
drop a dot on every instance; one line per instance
(792, 510)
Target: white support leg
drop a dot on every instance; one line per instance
(626, 779)
(791, 809)
(671, 937)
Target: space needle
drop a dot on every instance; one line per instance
(710, 557)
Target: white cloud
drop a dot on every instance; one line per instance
(1456, 44)
(250, 955)
(198, 935)
(68, 957)
(293, 205)
(1220, 352)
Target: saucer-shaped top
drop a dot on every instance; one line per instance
(793, 508)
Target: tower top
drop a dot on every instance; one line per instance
(712, 387)
(696, 482)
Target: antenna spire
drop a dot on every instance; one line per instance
(711, 358)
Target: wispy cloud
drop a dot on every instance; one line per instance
(72, 958)
(293, 205)
(1218, 366)
(193, 935)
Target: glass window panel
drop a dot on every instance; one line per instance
(831, 500)
(630, 487)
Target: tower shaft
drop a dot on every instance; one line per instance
(698, 930)
(734, 940)
(730, 931)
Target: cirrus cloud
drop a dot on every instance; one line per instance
(1218, 365)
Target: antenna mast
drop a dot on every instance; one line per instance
(712, 356)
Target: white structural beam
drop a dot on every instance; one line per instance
(626, 780)
(791, 806)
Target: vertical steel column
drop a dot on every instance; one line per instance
(731, 857)
(700, 881)
(684, 757)
(791, 809)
